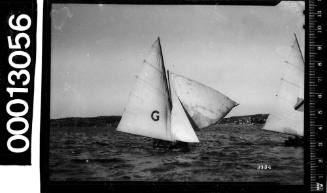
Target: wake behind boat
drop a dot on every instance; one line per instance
(167, 106)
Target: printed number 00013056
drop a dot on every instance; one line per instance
(16, 75)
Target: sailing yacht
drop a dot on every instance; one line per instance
(288, 115)
(167, 106)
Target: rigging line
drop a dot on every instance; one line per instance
(171, 104)
(169, 87)
(298, 46)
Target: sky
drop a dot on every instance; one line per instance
(98, 49)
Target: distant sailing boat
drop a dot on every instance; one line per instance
(167, 106)
(288, 116)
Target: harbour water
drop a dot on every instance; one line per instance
(226, 153)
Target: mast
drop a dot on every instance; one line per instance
(165, 74)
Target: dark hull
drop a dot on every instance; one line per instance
(294, 142)
(170, 146)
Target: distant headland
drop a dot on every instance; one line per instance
(112, 121)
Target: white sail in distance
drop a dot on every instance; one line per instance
(287, 116)
(205, 105)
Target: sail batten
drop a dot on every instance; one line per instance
(295, 66)
(151, 87)
(155, 67)
(293, 83)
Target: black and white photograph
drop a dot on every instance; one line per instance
(177, 93)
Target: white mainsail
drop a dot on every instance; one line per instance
(205, 106)
(147, 112)
(287, 116)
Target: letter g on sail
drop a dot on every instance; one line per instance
(155, 115)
